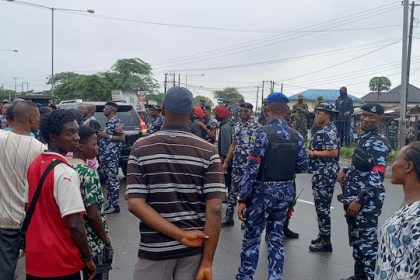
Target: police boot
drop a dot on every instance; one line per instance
(287, 232)
(228, 220)
(322, 246)
(316, 240)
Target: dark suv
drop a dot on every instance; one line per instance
(126, 113)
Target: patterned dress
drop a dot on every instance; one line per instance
(91, 191)
(399, 249)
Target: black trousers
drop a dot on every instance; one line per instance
(81, 275)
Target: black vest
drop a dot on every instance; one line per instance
(279, 162)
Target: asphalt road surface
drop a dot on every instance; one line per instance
(300, 264)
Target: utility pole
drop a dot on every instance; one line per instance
(410, 42)
(262, 92)
(404, 86)
(166, 81)
(179, 79)
(281, 88)
(174, 80)
(272, 86)
(256, 102)
(15, 78)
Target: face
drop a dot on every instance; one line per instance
(84, 110)
(153, 112)
(369, 121)
(343, 91)
(399, 168)
(108, 110)
(245, 113)
(321, 117)
(68, 138)
(89, 147)
(4, 109)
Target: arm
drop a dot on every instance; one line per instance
(212, 228)
(323, 154)
(225, 141)
(94, 218)
(302, 160)
(76, 227)
(139, 208)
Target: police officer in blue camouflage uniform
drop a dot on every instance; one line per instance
(323, 164)
(266, 188)
(364, 192)
(110, 144)
(155, 119)
(244, 136)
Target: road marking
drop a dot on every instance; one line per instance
(309, 202)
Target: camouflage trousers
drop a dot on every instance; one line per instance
(109, 168)
(266, 209)
(323, 190)
(234, 187)
(364, 240)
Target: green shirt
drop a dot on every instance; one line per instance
(91, 191)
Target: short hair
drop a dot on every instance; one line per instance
(53, 123)
(85, 132)
(412, 153)
(278, 107)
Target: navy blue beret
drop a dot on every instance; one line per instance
(277, 97)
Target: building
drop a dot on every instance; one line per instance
(392, 98)
(330, 95)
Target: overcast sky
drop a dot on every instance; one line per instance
(308, 44)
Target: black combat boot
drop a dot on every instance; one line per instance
(316, 240)
(287, 232)
(324, 245)
(228, 220)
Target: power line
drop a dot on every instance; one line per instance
(270, 40)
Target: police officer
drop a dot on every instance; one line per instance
(301, 112)
(364, 193)
(155, 119)
(323, 164)
(315, 127)
(244, 136)
(110, 144)
(266, 188)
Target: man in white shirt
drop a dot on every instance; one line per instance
(19, 150)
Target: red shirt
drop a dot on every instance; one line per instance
(50, 250)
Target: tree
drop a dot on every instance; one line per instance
(229, 94)
(379, 84)
(200, 100)
(132, 73)
(158, 98)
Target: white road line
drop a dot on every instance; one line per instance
(309, 202)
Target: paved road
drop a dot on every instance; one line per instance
(300, 264)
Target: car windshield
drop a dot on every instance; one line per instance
(125, 113)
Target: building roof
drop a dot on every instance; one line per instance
(394, 95)
(328, 94)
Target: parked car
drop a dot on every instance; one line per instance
(126, 113)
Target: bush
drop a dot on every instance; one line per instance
(346, 152)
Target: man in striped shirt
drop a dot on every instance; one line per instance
(175, 187)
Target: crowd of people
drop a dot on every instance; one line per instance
(180, 174)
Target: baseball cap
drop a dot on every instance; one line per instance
(178, 100)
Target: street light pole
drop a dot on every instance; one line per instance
(90, 11)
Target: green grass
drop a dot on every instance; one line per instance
(346, 152)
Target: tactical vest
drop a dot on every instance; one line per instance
(279, 162)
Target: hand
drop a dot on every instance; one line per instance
(204, 273)
(102, 134)
(225, 166)
(202, 125)
(91, 268)
(241, 211)
(341, 176)
(193, 238)
(354, 208)
(309, 152)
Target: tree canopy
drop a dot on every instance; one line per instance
(200, 100)
(229, 94)
(131, 73)
(379, 84)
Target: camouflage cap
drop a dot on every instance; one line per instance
(300, 96)
(326, 107)
(373, 108)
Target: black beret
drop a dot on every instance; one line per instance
(113, 104)
(246, 105)
(373, 108)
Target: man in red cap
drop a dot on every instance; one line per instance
(225, 139)
(197, 126)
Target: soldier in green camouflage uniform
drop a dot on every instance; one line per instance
(301, 112)
(315, 127)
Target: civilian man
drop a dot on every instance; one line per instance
(56, 241)
(19, 150)
(175, 187)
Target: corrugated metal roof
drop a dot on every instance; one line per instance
(394, 95)
(328, 94)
